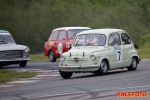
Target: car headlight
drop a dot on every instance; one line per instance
(93, 57)
(62, 58)
(27, 49)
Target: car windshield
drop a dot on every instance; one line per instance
(4, 39)
(72, 32)
(90, 40)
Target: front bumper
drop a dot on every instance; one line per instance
(89, 68)
(16, 59)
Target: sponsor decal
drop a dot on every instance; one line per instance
(117, 48)
(51, 43)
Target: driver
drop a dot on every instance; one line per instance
(94, 41)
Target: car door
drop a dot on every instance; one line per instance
(127, 45)
(51, 44)
(61, 42)
(115, 50)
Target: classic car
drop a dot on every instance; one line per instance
(60, 41)
(10, 52)
(98, 51)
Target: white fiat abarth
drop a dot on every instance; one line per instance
(98, 51)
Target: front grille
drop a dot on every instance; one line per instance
(11, 54)
(82, 60)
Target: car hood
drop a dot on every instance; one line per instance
(85, 50)
(11, 46)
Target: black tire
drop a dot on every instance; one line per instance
(1, 66)
(51, 56)
(65, 75)
(103, 68)
(23, 63)
(133, 64)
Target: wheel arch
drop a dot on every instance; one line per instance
(105, 59)
(136, 57)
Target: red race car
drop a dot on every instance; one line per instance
(60, 41)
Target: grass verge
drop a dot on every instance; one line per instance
(9, 75)
(40, 58)
(144, 53)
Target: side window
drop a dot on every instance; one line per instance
(53, 35)
(125, 39)
(114, 39)
(62, 35)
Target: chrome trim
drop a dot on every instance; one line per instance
(5, 60)
(79, 67)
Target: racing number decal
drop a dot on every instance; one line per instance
(60, 48)
(119, 55)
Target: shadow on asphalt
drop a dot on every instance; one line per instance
(93, 75)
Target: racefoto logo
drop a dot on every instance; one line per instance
(131, 94)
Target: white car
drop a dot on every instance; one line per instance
(10, 52)
(98, 51)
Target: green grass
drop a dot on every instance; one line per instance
(40, 58)
(144, 52)
(9, 75)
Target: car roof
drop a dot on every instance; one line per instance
(67, 28)
(105, 31)
(2, 32)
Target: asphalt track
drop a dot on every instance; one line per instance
(50, 86)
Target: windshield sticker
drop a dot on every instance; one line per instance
(60, 48)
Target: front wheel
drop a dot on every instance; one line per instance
(133, 65)
(103, 68)
(23, 63)
(65, 75)
(52, 58)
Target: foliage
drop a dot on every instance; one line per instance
(31, 21)
(145, 40)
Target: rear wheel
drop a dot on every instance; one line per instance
(133, 65)
(103, 68)
(65, 75)
(52, 58)
(23, 64)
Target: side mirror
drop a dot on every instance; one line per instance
(136, 47)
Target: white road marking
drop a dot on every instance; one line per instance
(55, 75)
(23, 81)
(6, 85)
